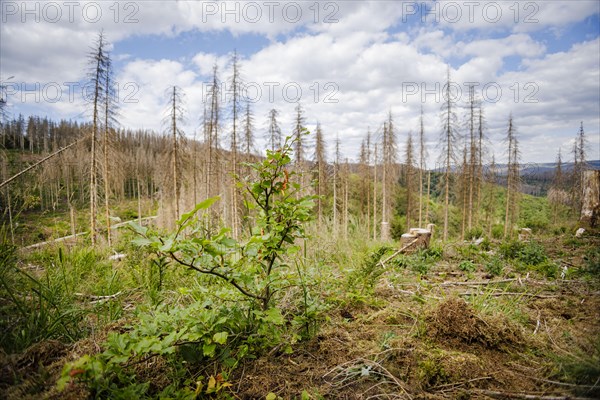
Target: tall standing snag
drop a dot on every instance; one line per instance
(447, 143)
(320, 160)
(422, 165)
(109, 119)
(175, 116)
(512, 180)
(389, 152)
(98, 61)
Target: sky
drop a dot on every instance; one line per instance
(348, 63)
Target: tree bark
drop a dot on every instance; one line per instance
(590, 209)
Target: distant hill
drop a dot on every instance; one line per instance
(536, 177)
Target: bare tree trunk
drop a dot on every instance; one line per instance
(428, 193)
(384, 223)
(464, 187)
(472, 156)
(368, 181)
(479, 163)
(175, 153)
(421, 166)
(10, 216)
(336, 167)
(375, 195)
(346, 173)
(99, 60)
(106, 185)
(139, 199)
(234, 150)
(590, 210)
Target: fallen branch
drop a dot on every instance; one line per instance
(397, 253)
(57, 152)
(122, 224)
(476, 283)
(572, 385)
(99, 299)
(453, 385)
(539, 296)
(507, 395)
(57, 240)
(62, 239)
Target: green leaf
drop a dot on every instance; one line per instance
(274, 316)
(137, 228)
(271, 396)
(220, 337)
(167, 246)
(142, 241)
(209, 349)
(203, 205)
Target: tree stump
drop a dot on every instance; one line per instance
(423, 237)
(525, 234)
(590, 208)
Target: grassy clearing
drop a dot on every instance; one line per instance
(423, 325)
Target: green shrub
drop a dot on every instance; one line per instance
(432, 254)
(365, 277)
(498, 231)
(529, 253)
(419, 265)
(474, 233)
(259, 266)
(495, 266)
(510, 250)
(592, 261)
(549, 269)
(532, 253)
(466, 266)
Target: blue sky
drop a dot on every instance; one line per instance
(353, 61)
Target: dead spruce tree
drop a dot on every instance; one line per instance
(320, 171)
(365, 181)
(110, 113)
(422, 165)
(274, 135)
(447, 144)
(98, 60)
(389, 149)
(212, 179)
(175, 118)
(248, 144)
(472, 173)
(512, 180)
(409, 173)
(235, 82)
(579, 167)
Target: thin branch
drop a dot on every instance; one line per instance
(539, 296)
(476, 283)
(525, 396)
(452, 385)
(382, 263)
(217, 274)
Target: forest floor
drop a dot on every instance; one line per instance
(452, 333)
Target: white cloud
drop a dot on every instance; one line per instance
(368, 66)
